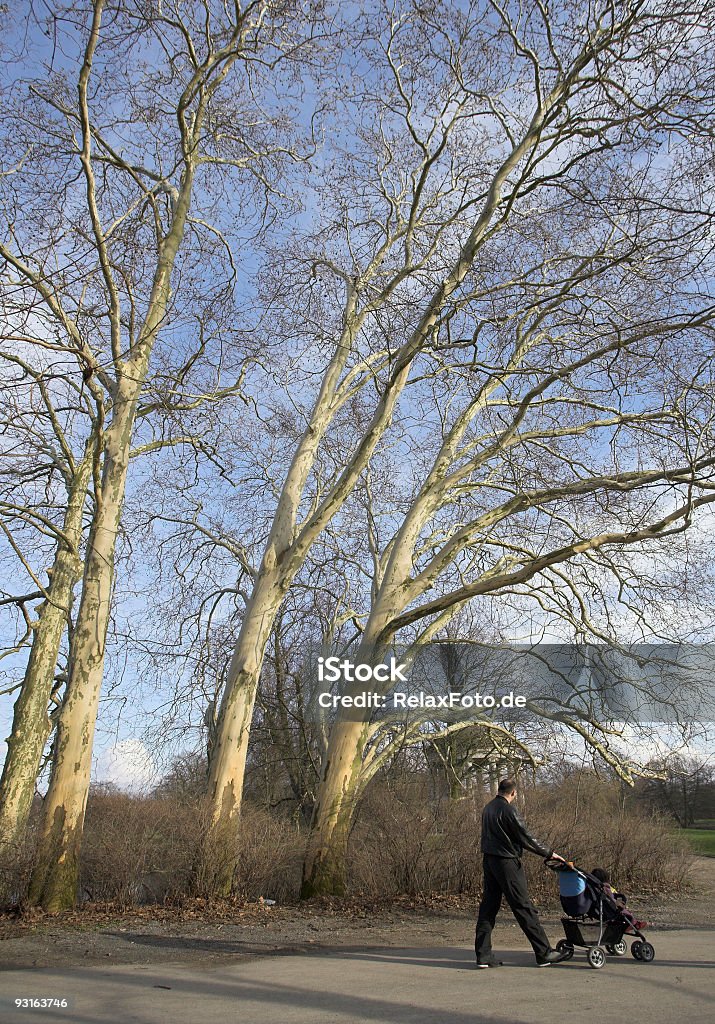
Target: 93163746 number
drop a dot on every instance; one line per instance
(41, 1003)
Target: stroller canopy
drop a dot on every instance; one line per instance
(576, 896)
(571, 883)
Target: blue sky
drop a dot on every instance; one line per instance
(127, 688)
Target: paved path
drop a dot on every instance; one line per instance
(395, 986)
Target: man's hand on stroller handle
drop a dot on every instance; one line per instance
(553, 856)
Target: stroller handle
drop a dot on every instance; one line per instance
(555, 864)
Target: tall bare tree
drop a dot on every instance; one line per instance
(506, 182)
(39, 450)
(105, 265)
(51, 459)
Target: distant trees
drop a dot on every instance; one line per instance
(184, 781)
(685, 789)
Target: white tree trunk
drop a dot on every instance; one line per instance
(324, 868)
(54, 880)
(31, 724)
(228, 763)
(325, 859)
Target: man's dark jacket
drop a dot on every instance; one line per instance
(504, 833)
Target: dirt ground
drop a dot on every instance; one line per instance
(196, 934)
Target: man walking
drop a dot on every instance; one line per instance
(504, 838)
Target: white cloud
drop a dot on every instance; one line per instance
(128, 765)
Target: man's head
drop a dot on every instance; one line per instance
(507, 789)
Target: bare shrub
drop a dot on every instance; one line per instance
(270, 856)
(136, 849)
(402, 844)
(596, 825)
(16, 863)
(145, 849)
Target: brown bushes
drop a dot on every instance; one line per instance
(402, 845)
(15, 868)
(135, 849)
(271, 854)
(144, 849)
(597, 825)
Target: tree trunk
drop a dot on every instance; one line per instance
(325, 859)
(457, 790)
(31, 724)
(216, 861)
(324, 868)
(54, 881)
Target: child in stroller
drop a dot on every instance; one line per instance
(596, 921)
(617, 899)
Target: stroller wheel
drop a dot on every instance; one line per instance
(564, 946)
(647, 952)
(596, 957)
(617, 948)
(636, 949)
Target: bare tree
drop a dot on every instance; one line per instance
(104, 268)
(39, 432)
(490, 214)
(496, 312)
(685, 790)
(510, 538)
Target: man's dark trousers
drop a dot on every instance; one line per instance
(504, 876)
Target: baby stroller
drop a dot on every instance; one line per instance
(594, 921)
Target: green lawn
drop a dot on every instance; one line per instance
(702, 840)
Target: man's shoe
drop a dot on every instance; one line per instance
(491, 962)
(553, 957)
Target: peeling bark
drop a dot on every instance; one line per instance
(31, 725)
(341, 785)
(227, 766)
(133, 238)
(54, 880)
(324, 867)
